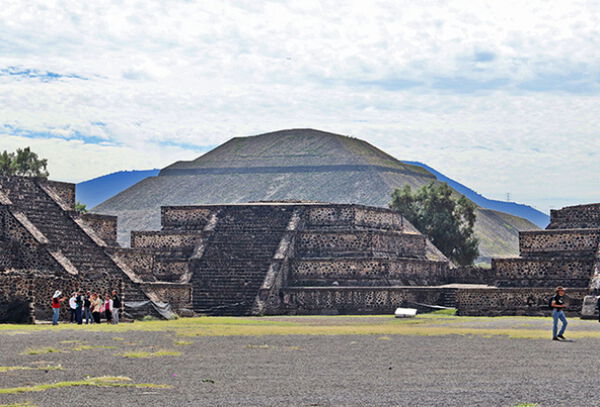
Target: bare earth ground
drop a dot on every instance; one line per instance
(432, 360)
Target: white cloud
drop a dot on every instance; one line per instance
(503, 96)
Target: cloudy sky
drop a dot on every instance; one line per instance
(503, 96)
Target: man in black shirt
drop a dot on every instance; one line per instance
(116, 307)
(558, 305)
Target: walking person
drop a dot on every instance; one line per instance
(108, 306)
(87, 308)
(73, 306)
(116, 307)
(558, 305)
(56, 306)
(96, 306)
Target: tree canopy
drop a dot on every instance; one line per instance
(23, 162)
(446, 220)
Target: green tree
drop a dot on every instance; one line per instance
(23, 162)
(81, 207)
(446, 220)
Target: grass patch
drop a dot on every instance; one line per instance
(384, 338)
(41, 351)
(118, 338)
(103, 381)
(146, 355)
(90, 347)
(182, 343)
(450, 312)
(18, 405)
(256, 346)
(422, 325)
(4, 369)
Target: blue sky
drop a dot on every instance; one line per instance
(503, 96)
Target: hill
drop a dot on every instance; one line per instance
(301, 164)
(97, 190)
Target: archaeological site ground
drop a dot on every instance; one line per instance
(259, 277)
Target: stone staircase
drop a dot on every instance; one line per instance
(226, 279)
(59, 228)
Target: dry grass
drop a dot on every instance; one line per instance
(382, 326)
(103, 381)
(41, 351)
(150, 354)
(4, 369)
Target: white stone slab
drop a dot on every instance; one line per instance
(405, 312)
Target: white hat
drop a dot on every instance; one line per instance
(56, 294)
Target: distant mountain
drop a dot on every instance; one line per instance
(99, 189)
(304, 164)
(523, 211)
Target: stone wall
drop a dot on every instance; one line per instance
(357, 300)
(18, 248)
(360, 243)
(179, 296)
(165, 239)
(543, 272)
(366, 272)
(105, 226)
(576, 217)
(64, 191)
(151, 265)
(513, 301)
(353, 216)
(185, 217)
(471, 275)
(548, 242)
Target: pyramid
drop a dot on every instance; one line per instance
(295, 164)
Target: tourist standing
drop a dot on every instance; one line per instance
(79, 308)
(558, 305)
(108, 306)
(87, 308)
(56, 307)
(73, 306)
(116, 307)
(96, 306)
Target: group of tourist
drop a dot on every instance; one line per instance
(89, 306)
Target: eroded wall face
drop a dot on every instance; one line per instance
(576, 217)
(513, 301)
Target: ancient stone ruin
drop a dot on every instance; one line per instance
(567, 253)
(264, 258)
(46, 245)
(251, 259)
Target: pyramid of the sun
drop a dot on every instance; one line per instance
(299, 164)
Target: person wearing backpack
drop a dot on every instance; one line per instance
(557, 302)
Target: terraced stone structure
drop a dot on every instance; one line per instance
(566, 253)
(46, 245)
(245, 259)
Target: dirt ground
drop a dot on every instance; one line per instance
(302, 361)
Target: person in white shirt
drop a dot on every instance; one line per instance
(73, 306)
